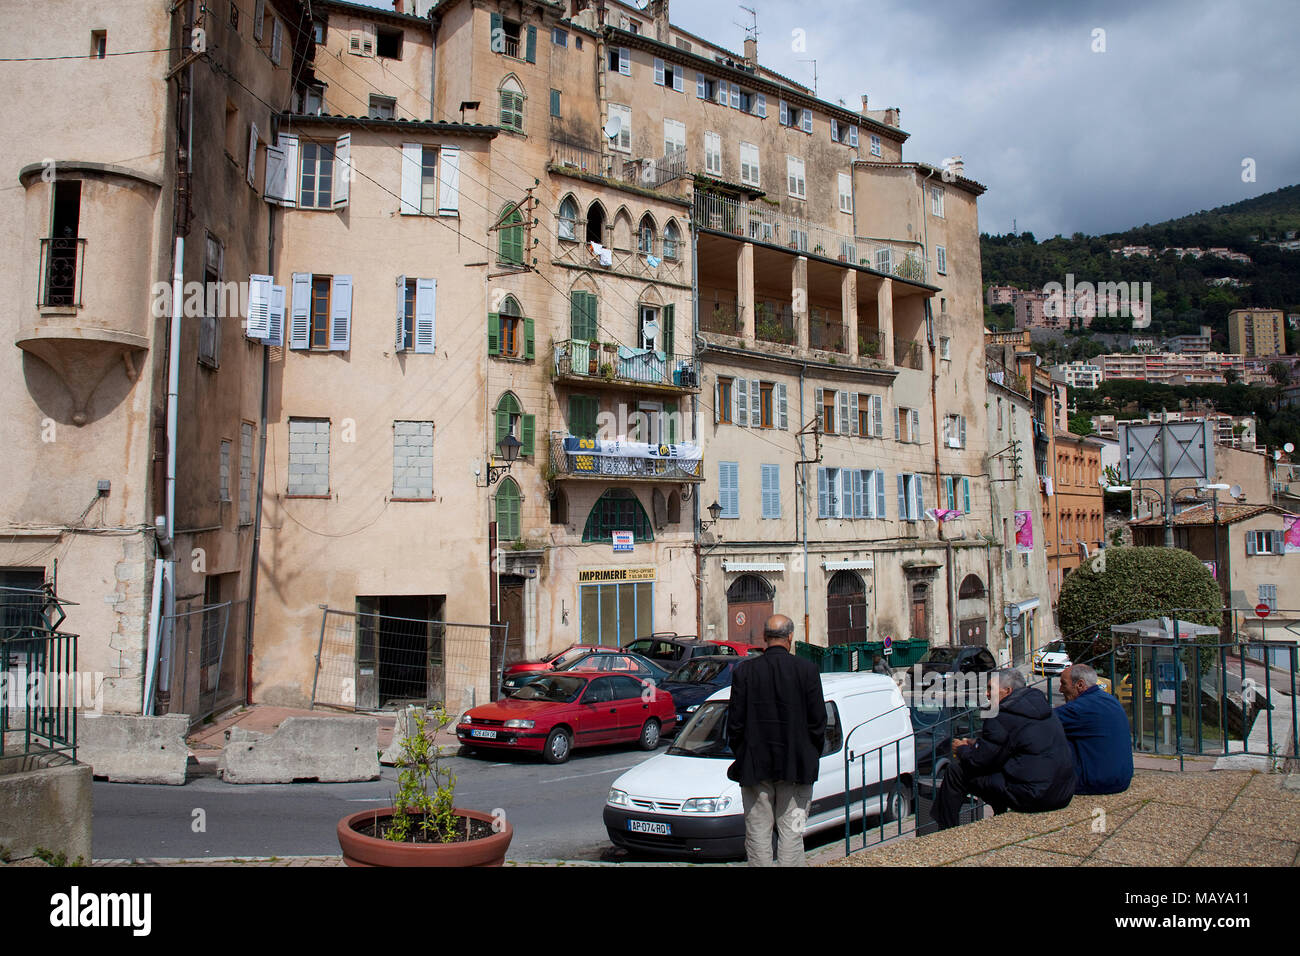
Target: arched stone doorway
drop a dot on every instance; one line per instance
(846, 609)
(749, 604)
(972, 611)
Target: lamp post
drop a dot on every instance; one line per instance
(509, 448)
(715, 510)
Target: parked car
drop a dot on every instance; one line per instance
(741, 648)
(694, 682)
(681, 802)
(670, 649)
(961, 659)
(1050, 659)
(587, 657)
(547, 663)
(560, 712)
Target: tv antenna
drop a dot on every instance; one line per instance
(814, 63)
(751, 28)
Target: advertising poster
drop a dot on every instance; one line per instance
(1025, 532)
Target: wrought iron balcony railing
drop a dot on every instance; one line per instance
(907, 353)
(573, 457)
(579, 358)
(62, 264)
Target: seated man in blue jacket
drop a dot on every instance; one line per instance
(1098, 731)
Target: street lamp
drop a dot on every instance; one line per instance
(509, 448)
(715, 510)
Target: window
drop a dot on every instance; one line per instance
(907, 425)
(954, 431)
(560, 37)
(729, 489)
(309, 455)
(850, 493)
(317, 176)
(246, 470)
(623, 141)
(618, 509)
(555, 103)
(945, 351)
(674, 136)
(223, 492)
(669, 74)
(766, 419)
(99, 42)
(412, 459)
(311, 100)
(319, 28)
(723, 397)
(506, 35)
(649, 333)
(510, 237)
(383, 107)
(508, 500)
(956, 494)
(789, 116)
(771, 490)
(415, 317)
(645, 236)
(911, 502)
(512, 105)
(941, 260)
(1264, 542)
(259, 12)
(713, 154)
(582, 316)
(749, 173)
(210, 329)
(509, 419)
(321, 312)
(672, 240)
(510, 334)
(794, 171)
(361, 42)
(843, 133)
(567, 225)
(825, 410)
(620, 60)
(583, 412)
(277, 40)
(875, 145)
(706, 88)
(870, 411)
(936, 201)
(846, 192)
(388, 43)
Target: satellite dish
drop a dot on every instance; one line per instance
(651, 332)
(1235, 491)
(1288, 448)
(1277, 455)
(614, 127)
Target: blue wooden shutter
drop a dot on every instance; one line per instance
(823, 496)
(965, 495)
(530, 51)
(341, 314)
(880, 494)
(902, 497)
(426, 292)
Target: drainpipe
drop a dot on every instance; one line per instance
(695, 418)
(803, 371)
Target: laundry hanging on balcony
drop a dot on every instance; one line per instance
(598, 251)
(653, 261)
(682, 451)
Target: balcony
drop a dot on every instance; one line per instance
(62, 264)
(656, 173)
(590, 458)
(908, 353)
(578, 158)
(774, 322)
(871, 344)
(585, 362)
(826, 330)
(721, 316)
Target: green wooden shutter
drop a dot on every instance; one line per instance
(529, 347)
(530, 51)
(497, 31)
(577, 314)
(671, 409)
(668, 328)
(494, 333)
(503, 427)
(555, 102)
(527, 428)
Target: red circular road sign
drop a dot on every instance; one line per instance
(1262, 610)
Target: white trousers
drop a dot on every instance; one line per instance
(780, 805)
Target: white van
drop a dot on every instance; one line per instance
(681, 801)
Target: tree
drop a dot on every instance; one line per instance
(1281, 372)
(1081, 425)
(1137, 583)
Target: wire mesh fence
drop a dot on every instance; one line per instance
(204, 664)
(369, 661)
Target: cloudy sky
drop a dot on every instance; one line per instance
(1066, 139)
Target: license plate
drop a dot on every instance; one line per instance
(488, 734)
(645, 826)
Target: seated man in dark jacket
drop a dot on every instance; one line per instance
(1098, 731)
(1021, 760)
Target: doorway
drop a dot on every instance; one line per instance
(921, 612)
(846, 609)
(511, 611)
(399, 649)
(749, 605)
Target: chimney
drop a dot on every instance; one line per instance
(397, 6)
(659, 11)
(751, 51)
(864, 103)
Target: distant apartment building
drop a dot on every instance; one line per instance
(1000, 295)
(1189, 344)
(1080, 374)
(1031, 310)
(1166, 367)
(1129, 251)
(1257, 332)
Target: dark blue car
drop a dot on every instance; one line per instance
(696, 680)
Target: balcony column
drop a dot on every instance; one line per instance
(745, 291)
(799, 299)
(849, 311)
(885, 316)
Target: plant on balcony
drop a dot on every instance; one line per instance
(868, 347)
(591, 363)
(607, 372)
(819, 250)
(609, 346)
(910, 268)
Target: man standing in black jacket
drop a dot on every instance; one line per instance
(776, 727)
(1021, 760)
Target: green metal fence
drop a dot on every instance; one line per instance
(38, 664)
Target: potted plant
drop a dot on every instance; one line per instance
(424, 827)
(607, 372)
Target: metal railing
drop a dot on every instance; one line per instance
(774, 322)
(42, 684)
(584, 464)
(871, 344)
(908, 353)
(1007, 378)
(722, 315)
(826, 330)
(62, 265)
(654, 173)
(204, 659)
(575, 156)
(584, 359)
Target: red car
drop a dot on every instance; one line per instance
(552, 661)
(558, 712)
(741, 648)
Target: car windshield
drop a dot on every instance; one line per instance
(705, 734)
(697, 672)
(939, 655)
(557, 688)
(570, 657)
(640, 646)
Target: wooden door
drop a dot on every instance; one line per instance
(846, 609)
(749, 605)
(511, 611)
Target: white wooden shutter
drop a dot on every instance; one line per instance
(916, 425)
(859, 509)
(755, 404)
(426, 294)
(251, 172)
(902, 497)
(741, 388)
(624, 62)
(961, 430)
(289, 192)
(259, 12)
(898, 427)
(878, 415)
(853, 136)
(277, 39)
(401, 314)
(342, 170)
(699, 86)
(300, 311)
(259, 306)
(449, 181)
(659, 72)
(823, 497)
(1250, 542)
(881, 511)
(277, 317)
(853, 413)
(807, 121)
(842, 403)
(835, 130)
(760, 105)
(782, 415)
(785, 113)
(273, 189)
(717, 411)
(341, 314)
(678, 76)
(412, 167)
(845, 509)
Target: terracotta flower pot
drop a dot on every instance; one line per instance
(362, 850)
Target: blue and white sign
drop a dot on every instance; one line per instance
(622, 541)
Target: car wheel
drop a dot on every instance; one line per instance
(899, 806)
(558, 746)
(649, 735)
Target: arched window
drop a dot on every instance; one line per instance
(511, 420)
(512, 104)
(596, 223)
(645, 236)
(672, 239)
(510, 237)
(674, 508)
(623, 230)
(750, 589)
(971, 587)
(617, 510)
(514, 332)
(567, 226)
(508, 500)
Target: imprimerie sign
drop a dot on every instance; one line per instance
(614, 575)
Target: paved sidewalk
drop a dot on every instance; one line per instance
(1226, 818)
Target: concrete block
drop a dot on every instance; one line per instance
(1244, 762)
(320, 749)
(404, 726)
(45, 803)
(129, 749)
